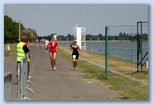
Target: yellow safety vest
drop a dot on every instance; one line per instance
(20, 51)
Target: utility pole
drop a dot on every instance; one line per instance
(19, 29)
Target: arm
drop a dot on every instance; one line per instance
(79, 48)
(26, 50)
(56, 45)
(71, 49)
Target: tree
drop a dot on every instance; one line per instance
(70, 37)
(100, 36)
(10, 31)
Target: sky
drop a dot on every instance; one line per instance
(61, 18)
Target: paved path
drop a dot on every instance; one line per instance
(62, 84)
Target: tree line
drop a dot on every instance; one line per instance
(120, 36)
(11, 34)
(11, 31)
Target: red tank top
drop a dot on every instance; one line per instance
(53, 46)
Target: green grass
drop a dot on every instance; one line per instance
(128, 89)
(12, 49)
(140, 75)
(116, 64)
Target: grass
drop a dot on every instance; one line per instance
(12, 49)
(116, 64)
(128, 89)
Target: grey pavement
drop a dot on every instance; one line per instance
(62, 84)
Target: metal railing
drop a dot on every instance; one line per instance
(23, 80)
(8, 86)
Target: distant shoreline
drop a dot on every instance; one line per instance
(108, 41)
(102, 41)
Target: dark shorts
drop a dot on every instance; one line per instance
(75, 56)
(52, 53)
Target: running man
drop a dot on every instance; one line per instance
(53, 50)
(75, 54)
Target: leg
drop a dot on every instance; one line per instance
(18, 79)
(51, 60)
(46, 48)
(28, 70)
(54, 58)
(76, 60)
(73, 62)
(73, 59)
(17, 70)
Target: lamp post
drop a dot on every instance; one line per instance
(19, 29)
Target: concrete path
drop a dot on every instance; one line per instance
(62, 84)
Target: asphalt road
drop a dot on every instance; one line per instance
(62, 84)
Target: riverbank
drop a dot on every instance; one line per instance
(117, 64)
(129, 89)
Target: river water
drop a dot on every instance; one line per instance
(123, 50)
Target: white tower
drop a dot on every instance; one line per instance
(80, 36)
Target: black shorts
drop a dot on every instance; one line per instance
(75, 56)
(52, 53)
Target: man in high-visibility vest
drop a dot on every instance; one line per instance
(22, 49)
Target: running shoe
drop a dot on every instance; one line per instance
(29, 76)
(54, 68)
(75, 68)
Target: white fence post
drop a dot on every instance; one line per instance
(147, 64)
(8, 47)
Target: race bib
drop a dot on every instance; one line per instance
(74, 56)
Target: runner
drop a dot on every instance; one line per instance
(75, 54)
(53, 49)
(46, 45)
